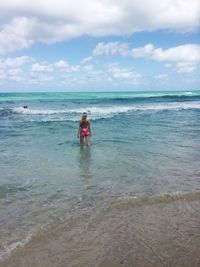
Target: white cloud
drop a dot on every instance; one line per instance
(14, 72)
(60, 65)
(185, 57)
(96, 76)
(88, 67)
(15, 62)
(65, 66)
(91, 74)
(15, 75)
(11, 68)
(187, 52)
(104, 74)
(15, 35)
(185, 67)
(24, 23)
(128, 75)
(27, 69)
(42, 67)
(145, 51)
(112, 48)
(86, 60)
(184, 53)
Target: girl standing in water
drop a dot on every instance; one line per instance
(84, 130)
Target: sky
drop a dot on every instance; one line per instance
(99, 45)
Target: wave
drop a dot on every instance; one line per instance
(9, 249)
(110, 109)
(96, 112)
(89, 110)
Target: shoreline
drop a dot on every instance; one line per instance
(126, 233)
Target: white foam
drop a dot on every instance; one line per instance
(8, 250)
(170, 106)
(37, 111)
(188, 93)
(99, 110)
(103, 112)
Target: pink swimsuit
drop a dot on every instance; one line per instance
(85, 130)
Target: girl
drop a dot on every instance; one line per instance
(84, 130)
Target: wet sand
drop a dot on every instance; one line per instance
(126, 233)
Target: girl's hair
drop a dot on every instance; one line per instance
(84, 115)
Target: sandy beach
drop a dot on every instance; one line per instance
(128, 232)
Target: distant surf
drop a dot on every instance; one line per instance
(97, 95)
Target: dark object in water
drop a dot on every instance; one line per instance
(25, 107)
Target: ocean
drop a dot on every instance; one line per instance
(145, 151)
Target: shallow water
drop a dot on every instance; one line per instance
(144, 232)
(143, 144)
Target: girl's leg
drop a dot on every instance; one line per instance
(81, 140)
(88, 140)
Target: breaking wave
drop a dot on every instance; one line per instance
(111, 109)
(96, 112)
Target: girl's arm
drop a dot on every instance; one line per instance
(79, 129)
(89, 128)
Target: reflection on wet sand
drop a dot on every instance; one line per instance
(85, 162)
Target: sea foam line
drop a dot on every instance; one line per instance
(110, 109)
(6, 252)
(155, 199)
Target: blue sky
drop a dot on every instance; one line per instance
(102, 45)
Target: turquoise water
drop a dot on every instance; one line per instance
(143, 143)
